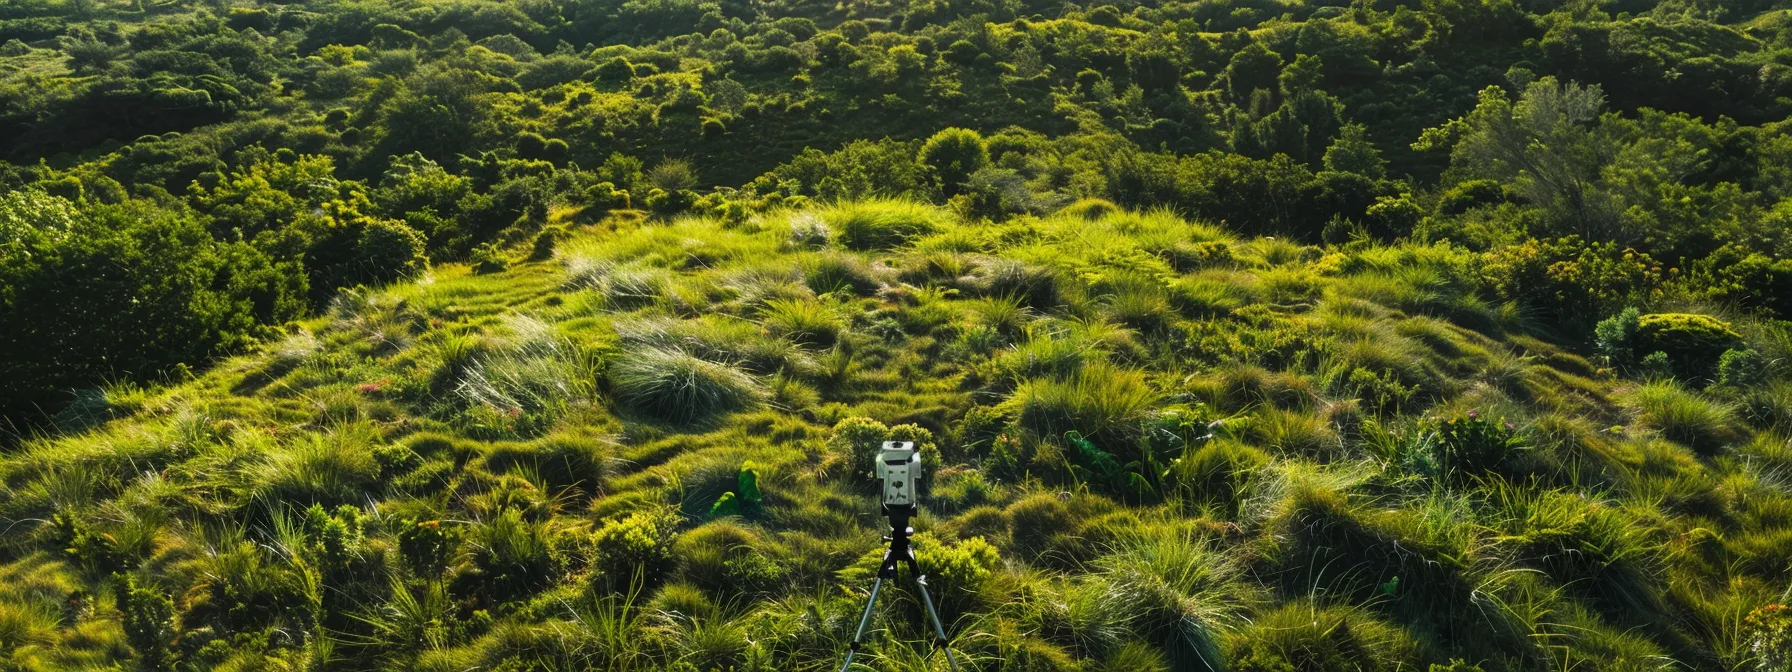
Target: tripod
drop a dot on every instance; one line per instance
(900, 551)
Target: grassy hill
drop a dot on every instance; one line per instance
(1154, 445)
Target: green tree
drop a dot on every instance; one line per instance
(952, 155)
(1351, 152)
(1548, 145)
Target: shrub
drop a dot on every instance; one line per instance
(488, 258)
(153, 288)
(546, 240)
(882, 224)
(511, 557)
(1693, 342)
(1466, 446)
(1615, 337)
(148, 619)
(673, 385)
(1742, 369)
(616, 70)
(1571, 280)
(390, 250)
(637, 548)
(1768, 629)
(245, 590)
(857, 439)
(1470, 194)
(952, 155)
(671, 176)
(427, 546)
(957, 573)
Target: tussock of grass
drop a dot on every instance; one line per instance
(679, 387)
(332, 468)
(623, 287)
(838, 272)
(1048, 353)
(1682, 416)
(717, 339)
(1306, 636)
(1099, 400)
(805, 321)
(1179, 590)
(882, 224)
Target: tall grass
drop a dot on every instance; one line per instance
(679, 387)
(1682, 416)
(1179, 590)
(882, 224)
(545, 446)
(336, 467)
(808, 322)
(1099, 400)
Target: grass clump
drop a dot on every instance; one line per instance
(807, 322)
(1180, 590)
(336, 467)
(1309, 637)
(1683, 416)
(673, 385)
(882, 224)
(1098, 401)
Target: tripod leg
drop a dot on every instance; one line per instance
(939, 630)
(864, 621)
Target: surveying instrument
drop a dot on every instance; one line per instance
(899, 466)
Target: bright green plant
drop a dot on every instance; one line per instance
(952, 155)
(635, 548)
(148, 618)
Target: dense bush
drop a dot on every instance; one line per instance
(120, 292)
(1693, 343)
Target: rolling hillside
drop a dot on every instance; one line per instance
(1155, 444)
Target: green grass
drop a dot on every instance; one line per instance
(1097, 400)
(1683, 416)
(1250, 490)
(878, 225)
(680, 387)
